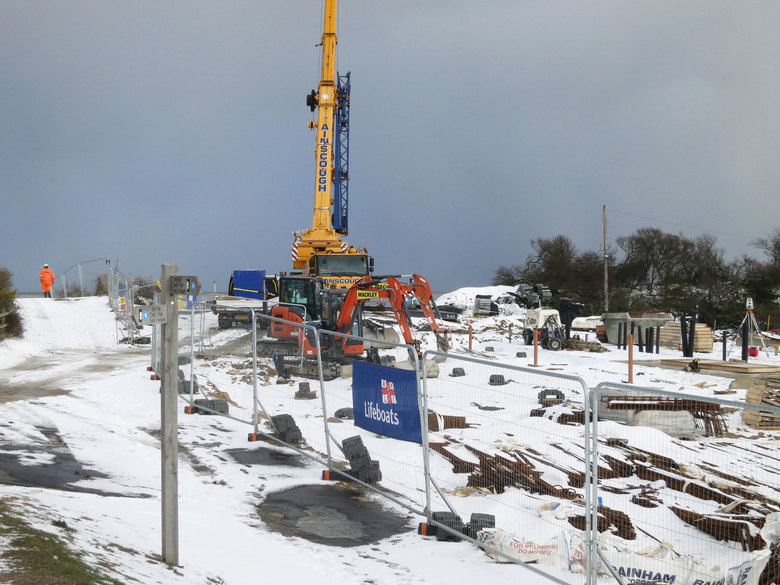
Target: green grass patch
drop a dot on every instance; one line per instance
(33, 556)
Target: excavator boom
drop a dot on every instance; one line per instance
(397, 293)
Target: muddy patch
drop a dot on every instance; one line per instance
(240, 346)
(25, 392)
(43, 383)
(334, 515)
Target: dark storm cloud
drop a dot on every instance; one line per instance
(176, 131)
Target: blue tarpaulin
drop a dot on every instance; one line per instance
(384, 401)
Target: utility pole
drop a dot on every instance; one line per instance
(606, 265)
(169, 439)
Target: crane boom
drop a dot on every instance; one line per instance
(326, 103)
(319, 251)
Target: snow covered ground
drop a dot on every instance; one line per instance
(88, 423)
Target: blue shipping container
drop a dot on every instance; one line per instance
(248, 283)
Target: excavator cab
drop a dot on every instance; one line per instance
(304, 299)
(298, 303)
(301, 293)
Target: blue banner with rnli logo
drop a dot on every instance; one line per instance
(384, 401)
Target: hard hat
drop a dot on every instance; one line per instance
(45, 265)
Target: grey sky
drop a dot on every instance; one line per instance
(154, 132)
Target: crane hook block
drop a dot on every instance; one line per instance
(311, 100)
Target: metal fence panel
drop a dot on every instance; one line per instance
(510, 441)
(399, 463)
(687, 485)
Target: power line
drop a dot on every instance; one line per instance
(693, 227)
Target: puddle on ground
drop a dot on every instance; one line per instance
(330, 514)
(264, 456)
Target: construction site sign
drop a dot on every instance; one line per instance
(384, 401)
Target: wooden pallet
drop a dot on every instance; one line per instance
(764, 395)
(771, 381)
(670, 337)
(760, 420)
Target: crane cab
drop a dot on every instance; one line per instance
(341, 270)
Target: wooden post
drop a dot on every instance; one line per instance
(471, 331)
(630, 358)
(536, 347)
(3, 324)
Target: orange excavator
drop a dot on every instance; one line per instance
(306, 301)
(398, 294)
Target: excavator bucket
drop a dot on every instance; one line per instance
(380, 333)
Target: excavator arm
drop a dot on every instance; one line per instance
(424, 294)
(397, 293)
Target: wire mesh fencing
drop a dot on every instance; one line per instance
(488, 434)
(509, 442)
(372, 417)
(85, 278)
(618, 483)
(687, 486)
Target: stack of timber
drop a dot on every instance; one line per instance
(743, 504)
(671, 337)
(438, 422)
(768, 395)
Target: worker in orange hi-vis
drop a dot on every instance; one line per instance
(47, 280)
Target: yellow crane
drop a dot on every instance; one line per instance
(320, 251)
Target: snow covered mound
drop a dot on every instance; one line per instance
(463, 298)
(61, 324)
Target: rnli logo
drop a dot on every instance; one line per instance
(388, 393)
